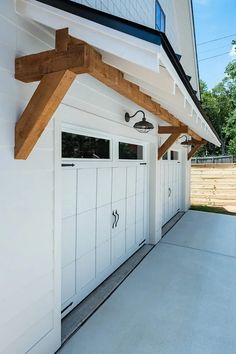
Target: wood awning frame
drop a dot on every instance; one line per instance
(175, 132)
(195, 147)
(56, 70)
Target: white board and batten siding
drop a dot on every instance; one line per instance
(31, 198)
(30, 219)
(29, 296)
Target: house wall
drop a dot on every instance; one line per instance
(29, 296)
(134, 10)
(29, 217)
(30, 190)
(179, 26)
(186, 40)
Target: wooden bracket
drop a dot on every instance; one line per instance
(44, 102)
(167, 144)
(56, 69)
(195, 148)
(194, 135)
(62, 40)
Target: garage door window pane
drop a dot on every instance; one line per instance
(84, 147)
(130, 151)
(174, 155)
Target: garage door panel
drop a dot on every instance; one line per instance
(104, 186)
(120, 211)
(68, 240)
(118, 246)
(140, 207)
(118, 183)
(171, 184)
(139, 232)
(68, 282)
(68, 193)
(131, 181)
(140, 179)
(130, 211)
(85, 270)
(104, 220)
(130, 237)
(86, 232)
(86, 195)
(103, 257)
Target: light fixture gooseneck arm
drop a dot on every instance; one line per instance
(139, 111)
(128, 117)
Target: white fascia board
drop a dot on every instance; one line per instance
(119, 44)
(132, 50)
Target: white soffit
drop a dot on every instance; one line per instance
(142, 62)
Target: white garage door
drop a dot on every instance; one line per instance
(171, 172)
(104, 210)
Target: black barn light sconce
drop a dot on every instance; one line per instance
(185, 142)
(143, 126)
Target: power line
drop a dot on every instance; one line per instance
(212, 49)
(216, 39)
(214, 56)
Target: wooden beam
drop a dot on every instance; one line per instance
(39, 111)
(194, 135)
(167, 144)
(168, 117)
(114, 79)
(77, 56)
(33, 67)
(195, 148)
(62, 40)
(57, 69)
(170, 129)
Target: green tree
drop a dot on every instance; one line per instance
(220, 106)
(230, 126)
(230, 131)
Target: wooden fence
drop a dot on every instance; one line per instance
(213, 184)
(213, 159)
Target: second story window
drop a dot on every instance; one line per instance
(160, 18)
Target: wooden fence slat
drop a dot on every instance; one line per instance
(213, 186)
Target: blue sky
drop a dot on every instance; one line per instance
(214, 19)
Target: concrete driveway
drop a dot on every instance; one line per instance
(180, 300)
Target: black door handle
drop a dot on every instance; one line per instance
(118, 218)
(114, 223)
